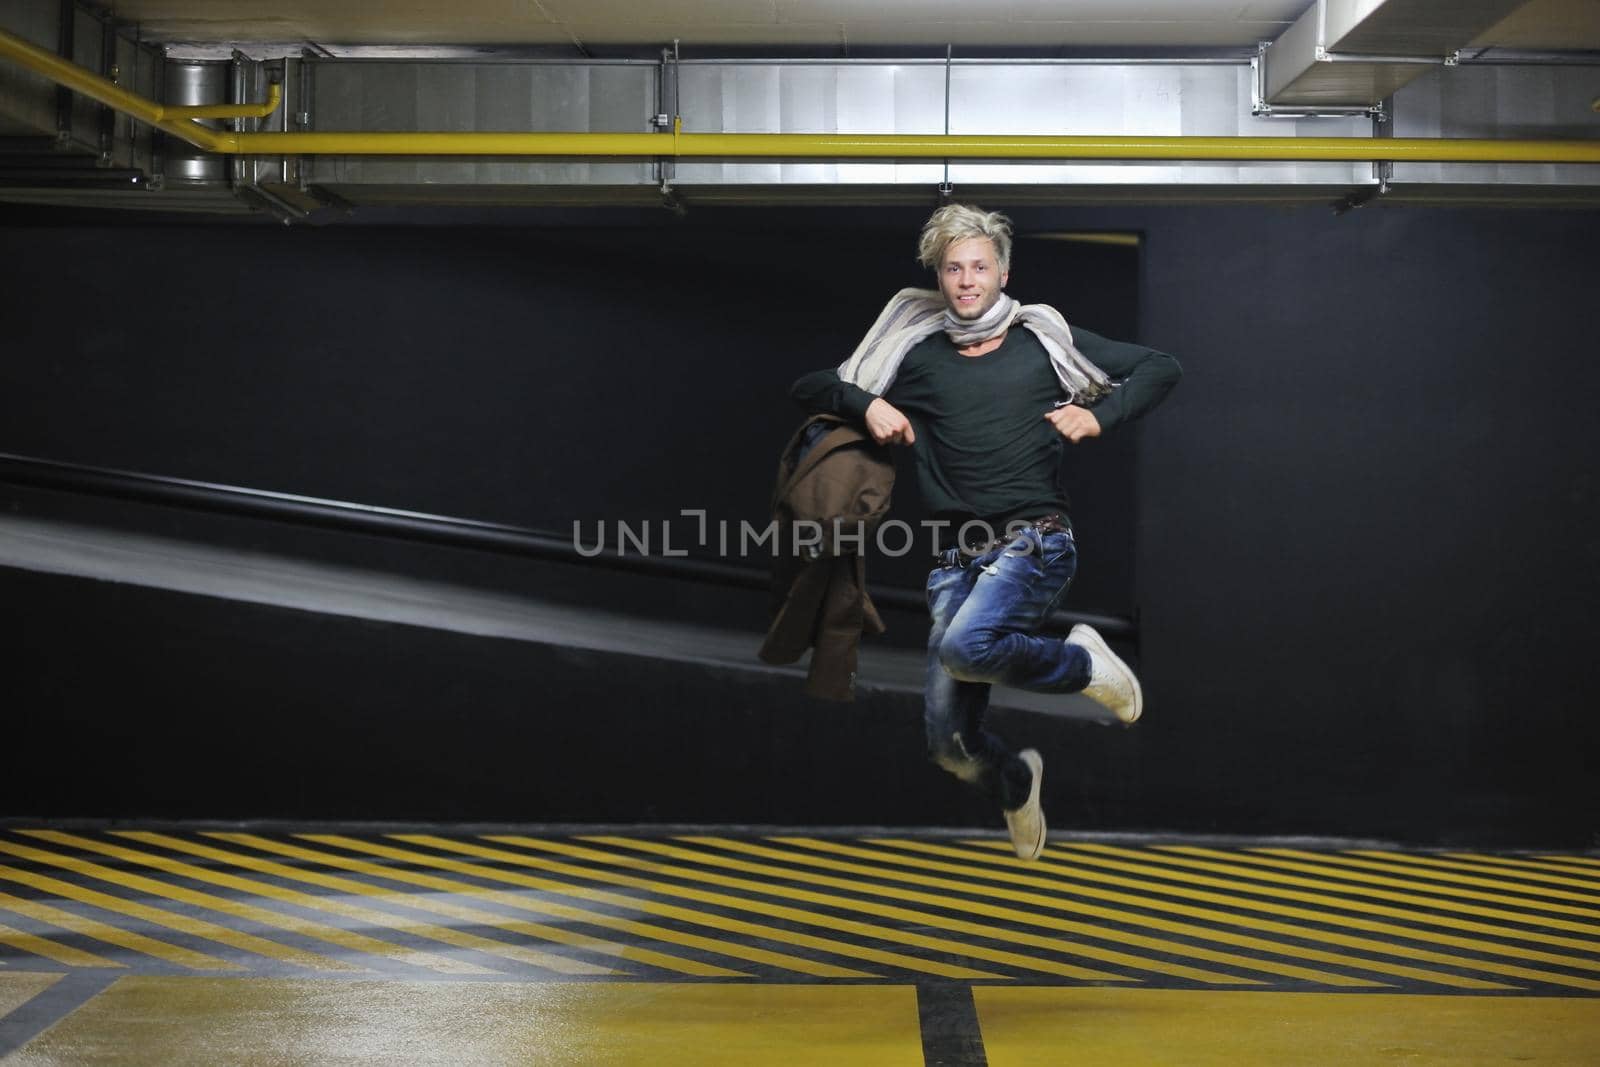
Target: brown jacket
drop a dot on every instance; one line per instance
(833, 475)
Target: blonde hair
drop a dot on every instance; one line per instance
(959, 222)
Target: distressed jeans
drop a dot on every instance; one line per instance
(985, 609)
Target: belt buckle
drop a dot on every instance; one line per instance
(1047, 524)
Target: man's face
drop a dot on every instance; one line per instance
(970, 277)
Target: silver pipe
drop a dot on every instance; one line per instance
(949, 54)
(192, 55)
(477, 59)
(1529, 58)
(1324, 56)
(239, 165)
(290, 101)
(1086, 61)
(1289, 111)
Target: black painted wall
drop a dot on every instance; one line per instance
(531, 376)
(1369, 558)
(1360, 538)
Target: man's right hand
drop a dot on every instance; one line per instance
(887, 425)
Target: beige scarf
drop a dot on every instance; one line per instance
(914, 314)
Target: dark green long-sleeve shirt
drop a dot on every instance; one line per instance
(983, 446)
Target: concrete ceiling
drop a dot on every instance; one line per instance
(831, 25)
(823, 27)
(1548, 24)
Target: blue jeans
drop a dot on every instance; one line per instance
(985, 609)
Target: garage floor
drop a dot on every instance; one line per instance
(249, 946)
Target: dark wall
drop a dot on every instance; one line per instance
(517, 374)
(170, 706)
(1359, 538)
(1368, 557)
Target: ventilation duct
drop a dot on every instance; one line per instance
(1355, 53)
(195, 84)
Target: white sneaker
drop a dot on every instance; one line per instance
(1027, 822)
(1111, 682)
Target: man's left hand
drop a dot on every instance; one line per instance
(1074, 423)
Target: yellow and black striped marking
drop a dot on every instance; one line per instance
(952, 922)
(796, 908)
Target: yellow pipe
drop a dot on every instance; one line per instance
(108, 93)
(228, 111)
(842, 146)
(838, 146)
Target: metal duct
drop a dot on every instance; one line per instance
(1354, 53)
(194, 84)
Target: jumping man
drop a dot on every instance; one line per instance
(987, 393)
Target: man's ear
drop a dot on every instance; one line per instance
(1005, 278)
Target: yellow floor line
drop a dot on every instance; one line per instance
(1473, 873)
(1586, 877)
(841, 948)
(1088, 883)
(333, 934)
(177, 954)
(1075, 907)
(1104, 856)
(1582, 861)
(152, 1021)
(1245, 1028)
(113, 935)
(446, 885)
(251, 913)
(1529, 872)
(1270, 869)
(781, 911)
(1571, 866)
(50, 950)
(897, 935)
(1232, 899)
(797, 964)
(1357, 869)
(1281, 886)
(973, 907)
